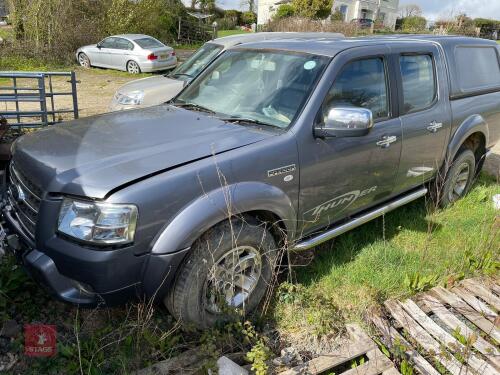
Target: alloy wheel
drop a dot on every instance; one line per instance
(233, 278)
(133, 67)
(84, 60)
(459, 182)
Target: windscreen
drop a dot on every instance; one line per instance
(270, 87)
(147, 43)
(197, 62)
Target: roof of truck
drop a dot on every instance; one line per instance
(331, 46)
(233, 40)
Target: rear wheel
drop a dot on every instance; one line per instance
(459, 178)
(230, 267)
(133, 67)
(84, 60)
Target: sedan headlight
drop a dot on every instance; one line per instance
(130, 98)
(99, 223)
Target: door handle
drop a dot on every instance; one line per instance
(434, 126)
(386, 141)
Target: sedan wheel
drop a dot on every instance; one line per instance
(133, 67)
(84, 60)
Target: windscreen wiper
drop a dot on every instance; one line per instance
(243, 120)
(182, 74)
(193, 107)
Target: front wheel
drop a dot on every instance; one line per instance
(133, 67)
(84, 60)
(230, 267)
(459, 178)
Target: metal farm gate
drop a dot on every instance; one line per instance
(30, 100)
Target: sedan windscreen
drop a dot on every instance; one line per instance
(256, 86)
(147, 43)
(197, 62)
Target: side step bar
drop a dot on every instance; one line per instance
(357, 221)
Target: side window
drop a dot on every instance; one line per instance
(478, 68)
(361, 83)
(419, 83)
(108, 43)
(121, 44)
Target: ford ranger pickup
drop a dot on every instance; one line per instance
(280, 144)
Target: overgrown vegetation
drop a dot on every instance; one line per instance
(303, 24)
(409, 250)
(52, 30)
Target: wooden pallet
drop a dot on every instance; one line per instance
(430, 324)
(358, 345)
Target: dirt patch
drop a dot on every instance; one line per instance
(95, 89)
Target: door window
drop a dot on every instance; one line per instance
(361, 83)
(122, 44)
(419, 84)
(108, 43)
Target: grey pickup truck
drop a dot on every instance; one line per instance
(276, 145)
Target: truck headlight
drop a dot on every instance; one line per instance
(100, 223)
(130, 98)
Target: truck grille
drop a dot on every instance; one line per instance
(24, 198)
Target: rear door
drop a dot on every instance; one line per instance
(119, 55)
(340, 176)
(425, 112)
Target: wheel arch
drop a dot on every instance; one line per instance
(265, 202)
(474, 133)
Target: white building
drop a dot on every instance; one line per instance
(351, 9)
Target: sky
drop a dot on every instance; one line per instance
(440, 9)
(433, 9)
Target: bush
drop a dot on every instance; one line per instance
(52, 30)
(248, 18)
(315, 9)
(337, 16)
(486, 23)
(300, 24)
(414, 24)
(284, 11)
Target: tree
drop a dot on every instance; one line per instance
(414, 24)
(410, 10)
(312, 8)
(248, 18)
(250, 4)
(284, 11)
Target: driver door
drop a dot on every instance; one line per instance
(340, 176)
(101, 57)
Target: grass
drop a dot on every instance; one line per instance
(6, 32)
(222, 33)
(408, 250)
(10, 63)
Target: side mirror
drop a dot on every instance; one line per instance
(345, 122)
(99, 45)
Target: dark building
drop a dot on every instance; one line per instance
(3, 8)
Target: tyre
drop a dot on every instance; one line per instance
(84, 60)
(133, 67)
(232, 265)
(459, 178)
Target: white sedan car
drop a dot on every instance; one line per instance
(134, 53)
